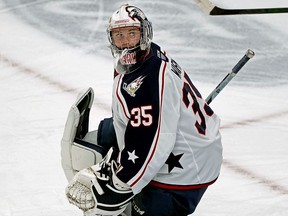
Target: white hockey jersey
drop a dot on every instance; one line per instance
(168, 136)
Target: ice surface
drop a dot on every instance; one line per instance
(50, 50)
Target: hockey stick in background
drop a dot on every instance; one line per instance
(248, 55)
(208, 7)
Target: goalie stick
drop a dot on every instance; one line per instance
(208, 7)
(248, 55)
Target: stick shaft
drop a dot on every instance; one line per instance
(248, 55)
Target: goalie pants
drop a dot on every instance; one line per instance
(153, 201)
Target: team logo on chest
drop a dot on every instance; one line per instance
(132, 87)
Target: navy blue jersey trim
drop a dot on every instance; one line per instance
(180, 187)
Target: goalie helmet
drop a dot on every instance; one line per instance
(127, 60)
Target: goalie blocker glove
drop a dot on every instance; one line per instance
(98, 191)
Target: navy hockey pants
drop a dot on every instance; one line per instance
(153, 201)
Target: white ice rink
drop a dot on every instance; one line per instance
(41, 75)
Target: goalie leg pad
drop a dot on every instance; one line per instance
(79, 148)
(85, 154)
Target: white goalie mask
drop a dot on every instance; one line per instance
(128, 59)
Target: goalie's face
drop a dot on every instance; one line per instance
(126, 37)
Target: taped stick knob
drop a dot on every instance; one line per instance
(250, 53)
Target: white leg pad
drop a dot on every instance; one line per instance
(80, 153)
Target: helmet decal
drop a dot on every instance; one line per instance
(134, 12)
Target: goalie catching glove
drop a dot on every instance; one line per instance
(98, 191)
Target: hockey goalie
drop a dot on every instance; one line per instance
(162, 148)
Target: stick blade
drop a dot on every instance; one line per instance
(211, 9)
(205, 5)
(216, 11)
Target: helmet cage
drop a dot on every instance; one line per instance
(138, 20)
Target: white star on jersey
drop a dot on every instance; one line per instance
(132, 156)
